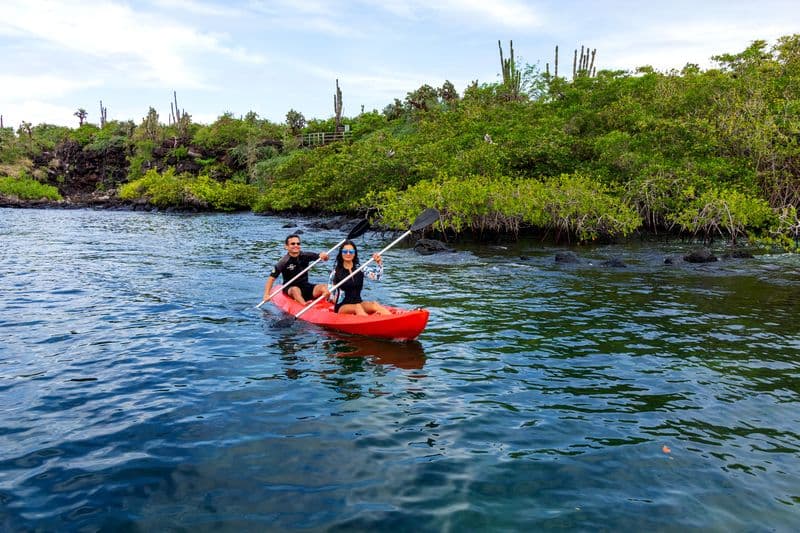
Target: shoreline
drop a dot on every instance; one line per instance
(105, 202)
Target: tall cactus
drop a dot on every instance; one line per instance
(177, 111)
(555, 74)
(103, 114)
(512, 78)
(179, 117)
(337, 106)
(585, 65)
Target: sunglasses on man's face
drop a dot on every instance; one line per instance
(348, 252)
(294, 244)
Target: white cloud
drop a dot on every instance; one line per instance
(671, 46)
(198, 8)
(508, 13)
(16, 88)
(150, 48)
(308, 17)
(39, 112)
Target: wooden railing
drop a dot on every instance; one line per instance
(323, 137)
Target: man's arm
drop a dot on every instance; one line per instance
(268, 288)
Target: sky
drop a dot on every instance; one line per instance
(271, 56)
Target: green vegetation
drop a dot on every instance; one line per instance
(708, 153)
(184, 191)
(567, 205)
(27, 189)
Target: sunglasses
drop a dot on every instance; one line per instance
(348, 252)
(294, 244)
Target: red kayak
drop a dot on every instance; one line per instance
(401, 325)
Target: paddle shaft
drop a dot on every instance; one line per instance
(276, 291)
(359, 269)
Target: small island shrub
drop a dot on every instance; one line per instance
(168, 189)
(727, 213)
(573, 206)
(26, 188)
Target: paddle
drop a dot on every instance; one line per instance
(357, 231)
(425, 219)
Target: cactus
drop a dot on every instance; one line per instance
(179, 117)
(337, 106)
(585, 65)
(177, 112)
(555, 74)
(103, 114)
(512, 78)
(575, 64)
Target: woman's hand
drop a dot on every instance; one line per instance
(378, 259)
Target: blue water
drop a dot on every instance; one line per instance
(140, 390)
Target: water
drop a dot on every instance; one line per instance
(140, 390)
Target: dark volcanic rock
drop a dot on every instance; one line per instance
(431, 246)
(739, 254)
(700, 255)
(567, 257)
(331, 223)
(614, 262)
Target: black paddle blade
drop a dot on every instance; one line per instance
(425, 219)
(283, 323)
(359, 229)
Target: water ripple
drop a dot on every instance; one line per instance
(140, 390)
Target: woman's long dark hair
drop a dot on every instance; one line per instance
(339, 260)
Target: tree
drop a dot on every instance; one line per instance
(150, 127)
(448, 93)
(296, 121)
(393, 110)
(25, 127)
(81, 114)
(423, 99)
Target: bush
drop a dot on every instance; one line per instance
(570, 205)
(25, 188)
(182, 191)
(162, 190)
(726, 212)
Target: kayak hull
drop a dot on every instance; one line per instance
(401, 325)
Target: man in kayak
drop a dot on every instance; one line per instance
(347, 298)
(291, 264)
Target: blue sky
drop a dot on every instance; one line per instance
(270, 56)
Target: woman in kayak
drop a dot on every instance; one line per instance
(347, 298)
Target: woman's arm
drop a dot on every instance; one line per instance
(375, 272)
(335, 295)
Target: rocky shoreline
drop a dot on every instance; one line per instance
(109, 201)
(96, 200)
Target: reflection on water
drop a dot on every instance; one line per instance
(140, 390)
(406, 355)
